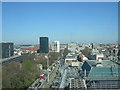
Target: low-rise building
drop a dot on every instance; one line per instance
(69, 59)
(101, 74)
(97, 56)
(63, 46)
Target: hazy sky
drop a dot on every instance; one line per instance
(25, 22)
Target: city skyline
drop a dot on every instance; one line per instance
(25, 22)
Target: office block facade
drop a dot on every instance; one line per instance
(44, 45)
(6, 50)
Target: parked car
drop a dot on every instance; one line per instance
(42, 77)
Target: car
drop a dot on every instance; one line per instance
(42, 77)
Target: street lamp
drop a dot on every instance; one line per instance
(46, 56)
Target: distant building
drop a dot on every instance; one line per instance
(70, 59)
(97, 56)
(94, 45)
(72, 47)
(6, 50)
(63, 46)
(44, 45)
(26, 49)
(55, 46)
(95, 51)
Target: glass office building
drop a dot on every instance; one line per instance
(44, 45)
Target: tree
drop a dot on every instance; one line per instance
(54, 55)
(66, 51)
(86, 52)
(15, 77)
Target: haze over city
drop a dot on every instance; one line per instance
(25, 22)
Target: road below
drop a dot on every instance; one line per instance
(51, 76)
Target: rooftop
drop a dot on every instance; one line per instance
(104, 72)
(105, 63)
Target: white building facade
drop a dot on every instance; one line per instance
(55, 46)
